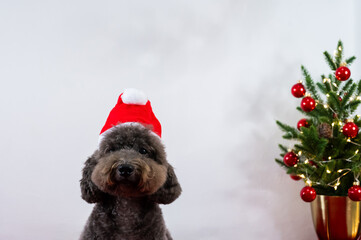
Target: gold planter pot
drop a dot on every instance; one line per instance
(336, 218)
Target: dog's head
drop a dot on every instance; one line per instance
(130, 162)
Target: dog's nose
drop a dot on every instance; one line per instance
(125, 170)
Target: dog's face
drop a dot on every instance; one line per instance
(130, 162)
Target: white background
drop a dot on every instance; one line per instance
(218, 74)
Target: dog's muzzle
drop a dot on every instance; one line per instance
(125, 170)
(126, 173)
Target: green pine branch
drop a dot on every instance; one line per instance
(310, 85)
(334, 101)
(347, 86)
(302, 168)
(290, 132)
(350, 60)
(351, 107)
(311, 141)
(281, 163)
(283, 148)
(330, 61)
(349, 94)
(322, 88)
(359, 87)
(339, 53)
(357, 120)
(356, 166)
(312, 114)
(334, 80)
(325, 83)
(300, 147)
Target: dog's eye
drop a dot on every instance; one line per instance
(143, 151)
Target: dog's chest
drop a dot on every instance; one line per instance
(129, 215)
(133, 218)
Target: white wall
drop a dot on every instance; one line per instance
(218, 74)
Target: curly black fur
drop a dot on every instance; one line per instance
(127, 209)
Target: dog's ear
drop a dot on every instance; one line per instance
(89, 191)
(170, 191)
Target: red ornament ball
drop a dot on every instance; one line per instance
(290, 159)
(312, 163)
(308, 194)
(302, 123)
(295, 177)
(298, 90)
(350, 130)
(308, 104)
(342, 73)
(354, 193)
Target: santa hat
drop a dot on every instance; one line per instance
(132, 107)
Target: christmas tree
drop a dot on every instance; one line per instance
(326, 143)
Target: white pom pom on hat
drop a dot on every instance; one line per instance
(134, 96)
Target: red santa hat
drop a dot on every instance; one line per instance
(132, 107)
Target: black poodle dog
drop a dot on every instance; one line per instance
(127, 177)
